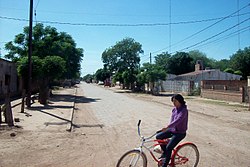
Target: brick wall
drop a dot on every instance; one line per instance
(227, 90)
(207, 84)
(223, 95)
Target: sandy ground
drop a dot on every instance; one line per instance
(104, 127)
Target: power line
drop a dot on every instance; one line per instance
(214, 35)
(122, 25)
(220, 20)
(37, 4)
(145, 60)
(242, 30)
(238, 18)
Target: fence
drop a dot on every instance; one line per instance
(227, 90)
(184, 87)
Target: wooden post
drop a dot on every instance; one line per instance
(8, 116)
(242, 91)
(248, 89)
(0, 114)
(23, 100)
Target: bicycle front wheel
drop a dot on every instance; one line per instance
(132, 158)
(186, 155)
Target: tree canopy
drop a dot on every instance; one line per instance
(180, 63)
(162, 60)
(240, 61)
(46, 41)
(123, 59)
(54, 56)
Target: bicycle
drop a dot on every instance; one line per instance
(185, 154)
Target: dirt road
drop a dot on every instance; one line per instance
(105, 122)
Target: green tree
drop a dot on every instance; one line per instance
(162, 60)
(129, 78)
(47, 41)
(229, 70)
(53, 67)
(123, 57)
(47, 69)
(151, 73)
(238, 72)
(102, 74)
(88, 78)
(240, 61)
(180, 63)
(22, 69)
(222, 64)
(197, 55)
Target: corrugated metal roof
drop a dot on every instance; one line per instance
(196, 72)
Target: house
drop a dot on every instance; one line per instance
(208, 74)
(8, 78)
(189, 81)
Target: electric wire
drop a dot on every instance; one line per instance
(214, 35)
(220, 20)
(35, 10)
(240, 31)
(122, 25)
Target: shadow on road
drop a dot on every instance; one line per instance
(72, 98)
(88, 126)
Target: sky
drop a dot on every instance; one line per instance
(218, 28)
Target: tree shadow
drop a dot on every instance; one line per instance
(72, 98)
(141, 92)
(56, 116)
(88, 126)
(166, 94)
(53, 104)
(49, 107)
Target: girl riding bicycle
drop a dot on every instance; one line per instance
(176, 130)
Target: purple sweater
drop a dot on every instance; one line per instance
(179, 120)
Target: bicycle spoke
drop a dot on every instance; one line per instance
(134, 159)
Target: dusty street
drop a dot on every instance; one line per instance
(104, 127)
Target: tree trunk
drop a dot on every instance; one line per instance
(8, 110)
(151, 87)
(23, 100)
(43, 92)
(132, 86)
(0, 114)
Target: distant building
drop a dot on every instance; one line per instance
(208, 74)
(189, 81)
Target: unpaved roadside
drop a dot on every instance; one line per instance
(105, 127)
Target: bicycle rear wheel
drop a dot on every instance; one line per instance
(132, 158)
(186, 155)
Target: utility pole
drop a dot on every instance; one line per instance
(28, 99)
(150, 58)
(170, 22)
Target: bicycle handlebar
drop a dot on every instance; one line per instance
(139, 122)
(139, 132)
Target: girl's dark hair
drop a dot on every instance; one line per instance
(179, 98)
